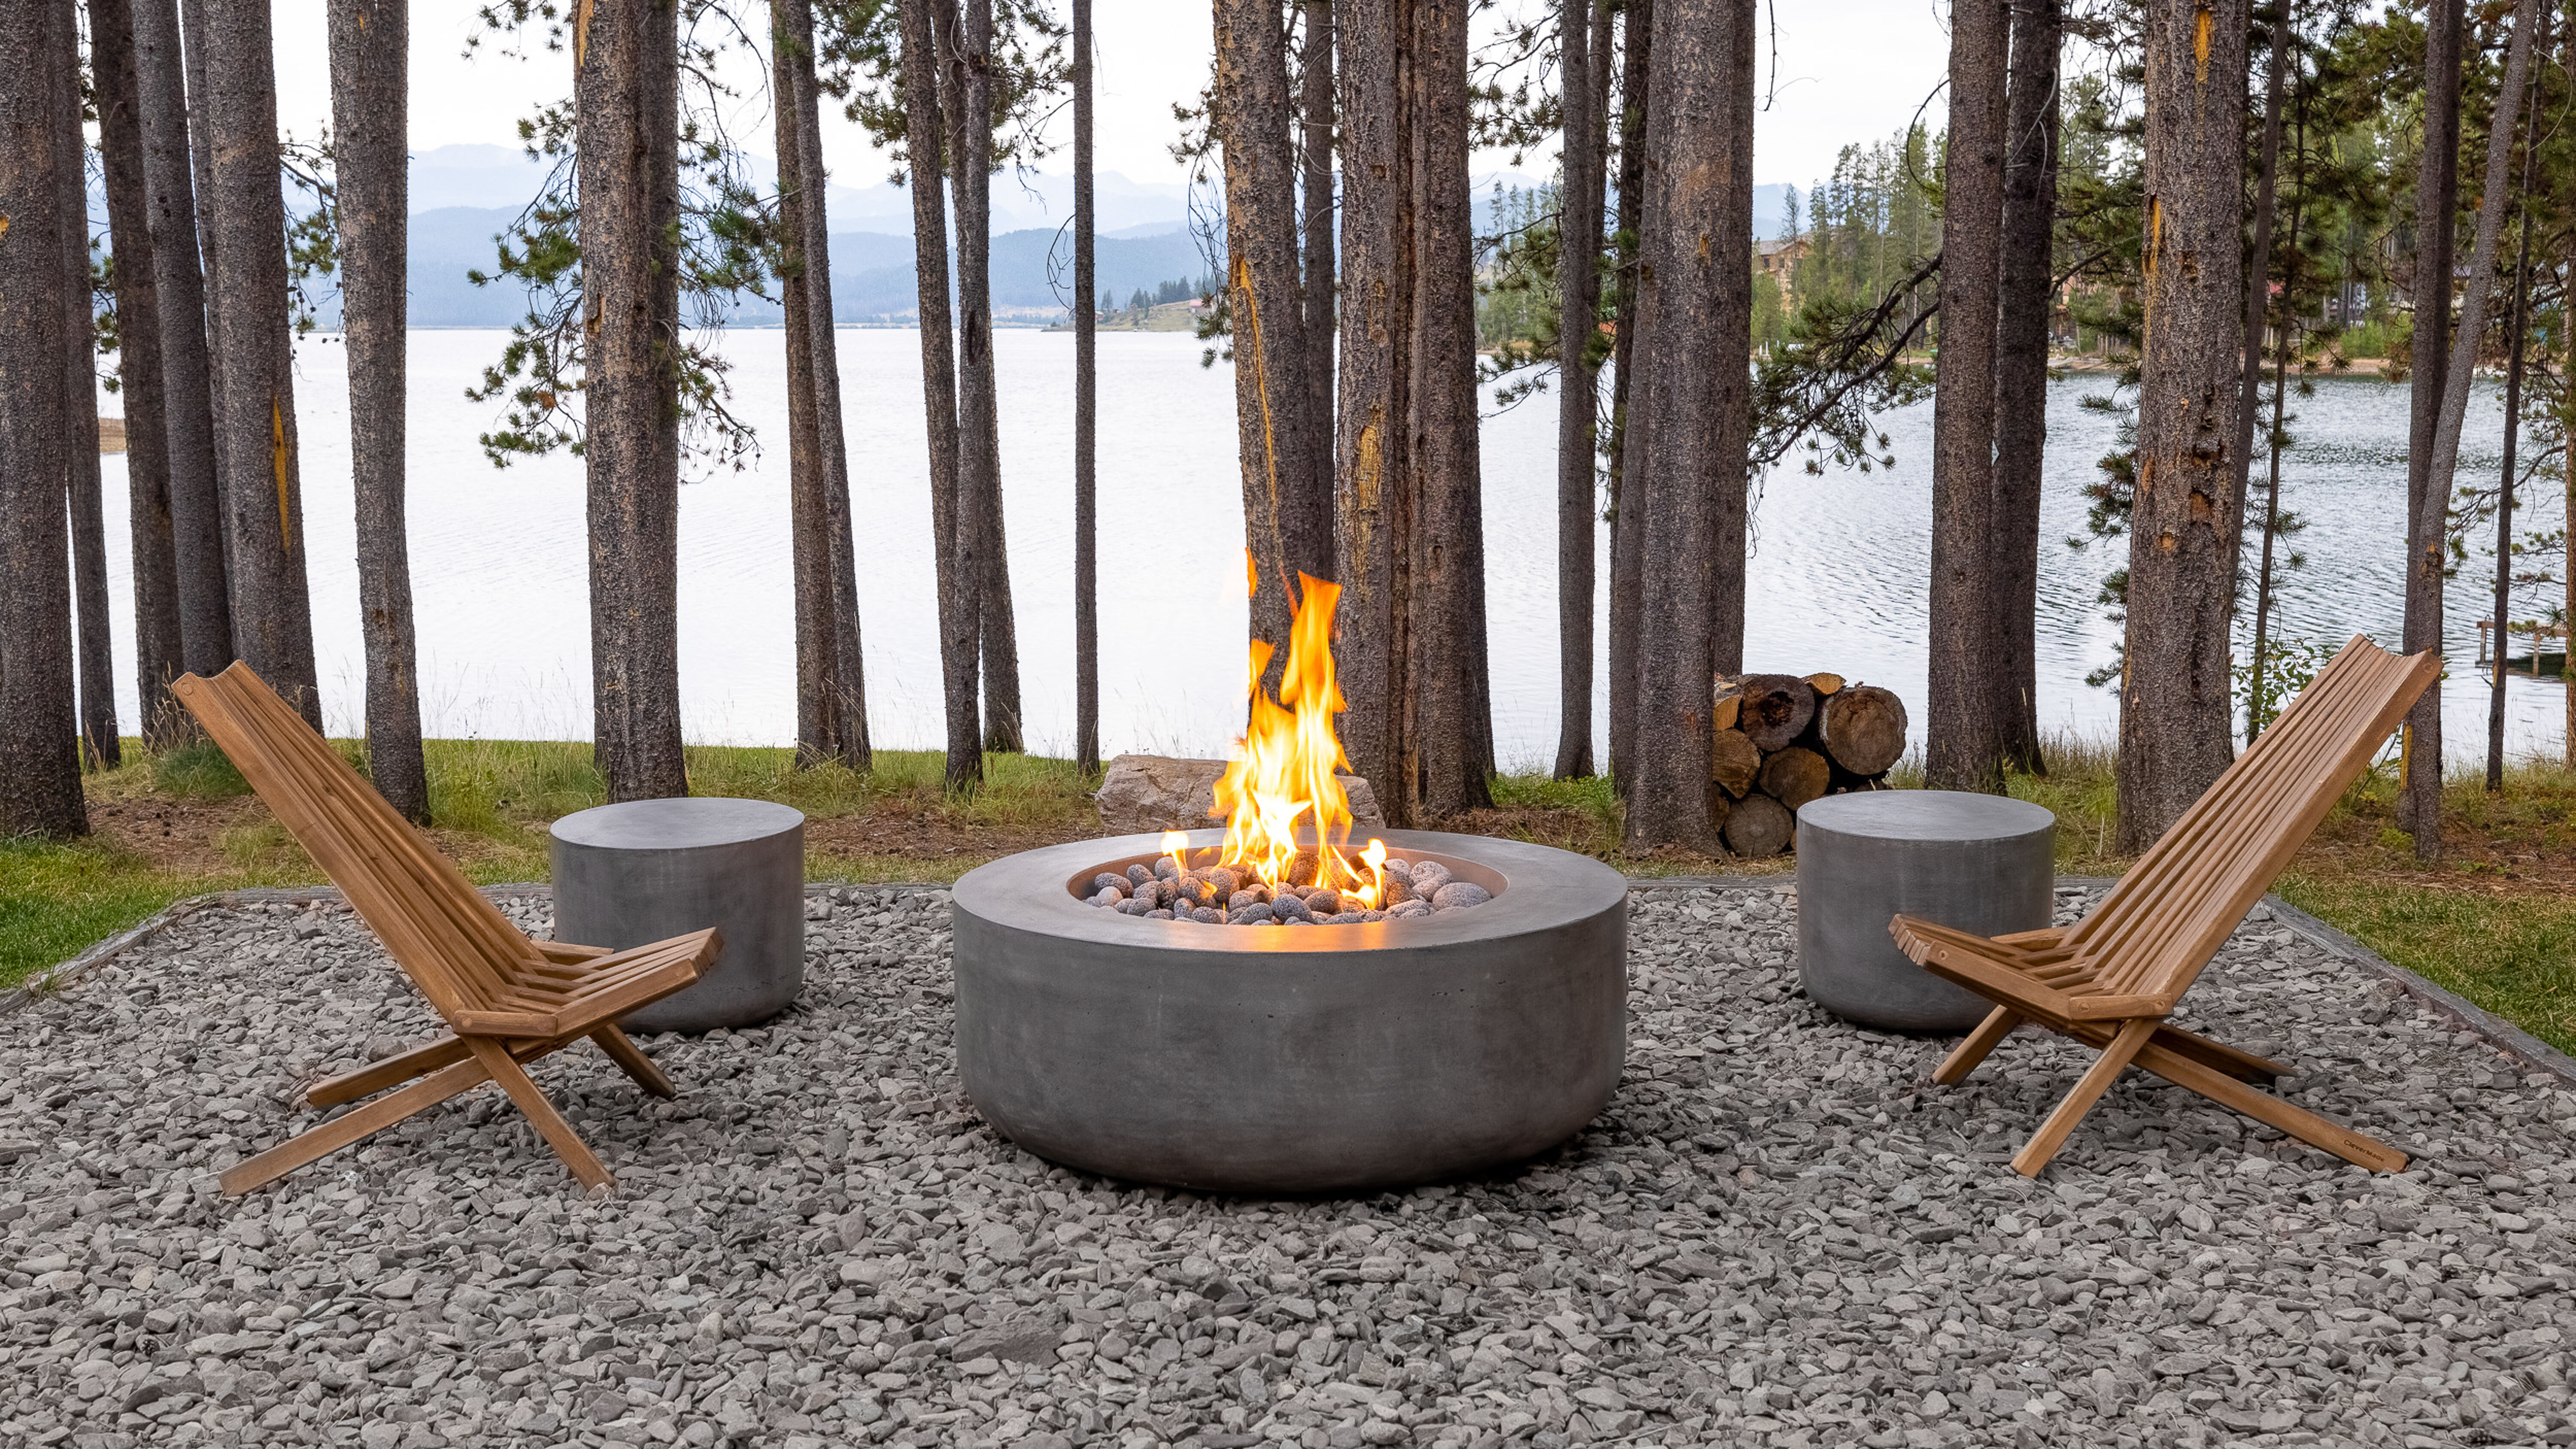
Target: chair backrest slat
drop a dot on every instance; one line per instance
(2168, 915)
(452, 941)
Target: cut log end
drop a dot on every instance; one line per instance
(1733, 761)
(1863, 729)
(1777, 709)
(1795, 776)
(1759, 827)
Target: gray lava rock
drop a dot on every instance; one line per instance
(1459, 894)
(1428, 877)
(1251, 915)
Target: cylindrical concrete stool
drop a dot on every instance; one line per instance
(638, 872)
(1981, 863)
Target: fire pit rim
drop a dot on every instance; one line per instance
(1542, 886)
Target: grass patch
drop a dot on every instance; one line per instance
(2515, 955)
(57, 900)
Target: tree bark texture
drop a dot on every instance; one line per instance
(2028, 297)
(1086, 415)
(1686, 453)
(1288, 523)
(2174, 693)
(2514, 332)
(625, 93)
(960, 583)
(1372, 506)
(2495, 197)
(264, 507)
(1963, 744)
(1315, 152)
(1578, 278)
(832, 722)
(2271, 514)
(179, 294)
(201, 170)
(370, 106)
(157, 658)
(969, 68)
(40, 785)
(2258, 290)
(97, 659)
(1449, 727)
(2437, 192)
(1627, 580)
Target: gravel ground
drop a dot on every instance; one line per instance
(1777, 1234)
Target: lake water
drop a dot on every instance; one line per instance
(1838, 576)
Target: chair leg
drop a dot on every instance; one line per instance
(333, 1135)
(1988, 1035)
(541, 1114)
(2106, 1068)
(2320, 1132)
(639, 1066)
(374, 1077)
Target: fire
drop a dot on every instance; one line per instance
(1282, 796)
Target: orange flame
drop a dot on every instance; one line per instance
(1282, 796)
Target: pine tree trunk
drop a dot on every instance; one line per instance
(264, 510)
(625, 93)
(201, 170)
(1627, 510)
(370, 103)
(1578, 278)
(1316, 282)
(1373, 507)
(170, 190)
(1963, 744)
(2437, 192)
(2271, 515)
(40, 785)
(814, 285)
(1448, 731)
(2514, 330)
(157, 659)
(970, 178)
(1287, 523)
(97, 659)
(2495, 196)
(1686, 456)
(2174, 694)
(2258, 290)
(960, 582)
(831, 693)
(1086, 416)
(2021, 377)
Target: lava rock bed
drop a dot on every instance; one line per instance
(1220, 895)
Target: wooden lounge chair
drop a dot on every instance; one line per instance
(2109, 980)
(507, 999)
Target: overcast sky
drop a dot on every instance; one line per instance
(1853, 71)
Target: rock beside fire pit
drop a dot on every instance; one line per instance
(1142, 793)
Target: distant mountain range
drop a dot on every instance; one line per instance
(462, 197)
(872, 272)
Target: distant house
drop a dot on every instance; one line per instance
(1779, 260)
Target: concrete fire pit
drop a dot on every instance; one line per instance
(1291, 1058)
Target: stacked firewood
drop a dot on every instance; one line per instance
(1782, 741)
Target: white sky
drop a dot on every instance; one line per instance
(1852, 71)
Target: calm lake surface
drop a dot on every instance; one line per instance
(1838, 575)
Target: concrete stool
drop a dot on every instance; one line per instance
(634, 873)
(1981, 863)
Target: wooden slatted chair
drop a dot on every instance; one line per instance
(2110, 980)
(507, 999)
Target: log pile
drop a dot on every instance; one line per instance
(1782, 741)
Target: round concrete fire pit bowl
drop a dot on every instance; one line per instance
(1292, 1059)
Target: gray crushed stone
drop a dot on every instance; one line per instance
(1778, 1234)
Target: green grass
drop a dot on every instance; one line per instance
(2515, 955)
